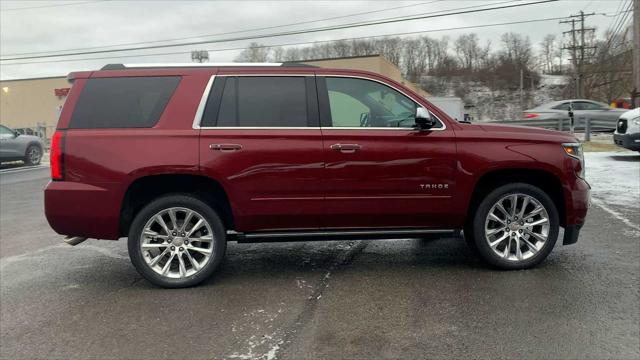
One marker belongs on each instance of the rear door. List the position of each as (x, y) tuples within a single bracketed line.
[(260, 138), (380, 171)]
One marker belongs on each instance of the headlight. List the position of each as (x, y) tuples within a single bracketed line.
[(575, 150), (636, 121)]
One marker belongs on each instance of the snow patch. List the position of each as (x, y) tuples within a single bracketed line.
[(615, 184), (264, 347), (614, 178)]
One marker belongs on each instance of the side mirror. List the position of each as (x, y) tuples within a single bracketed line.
[(16, 134), (424, 121)]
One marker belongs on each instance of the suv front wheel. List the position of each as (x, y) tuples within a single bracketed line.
[(516, 226), (176, 241)]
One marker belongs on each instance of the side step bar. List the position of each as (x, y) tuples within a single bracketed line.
[(313, 235)]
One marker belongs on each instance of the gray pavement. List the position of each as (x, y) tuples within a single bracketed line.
[(358, 299)]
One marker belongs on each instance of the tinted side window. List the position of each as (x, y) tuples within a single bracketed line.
[(268, 101), (125, 102), (563, 106), (366, 103), (583, 105)]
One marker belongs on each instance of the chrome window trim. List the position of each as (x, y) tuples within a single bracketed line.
[(203, 103), (205, 96), (265, 75)]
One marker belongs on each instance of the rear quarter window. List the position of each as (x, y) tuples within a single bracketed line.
[(123, 102)]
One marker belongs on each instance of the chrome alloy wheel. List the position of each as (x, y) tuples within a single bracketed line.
[(177, 242), (517, 227)]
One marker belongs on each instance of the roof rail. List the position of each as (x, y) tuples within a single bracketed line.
[(197, 65)]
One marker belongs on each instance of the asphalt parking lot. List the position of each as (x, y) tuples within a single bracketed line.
[(358, 299)]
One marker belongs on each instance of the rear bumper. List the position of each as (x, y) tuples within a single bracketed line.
[(628, 141), (84, 210)]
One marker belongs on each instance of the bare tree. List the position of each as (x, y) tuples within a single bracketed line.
[(517, 50), (278, 54), (292, 54), (391, 49), (254, 53), (548, 52), (436, 52), (468, 51)]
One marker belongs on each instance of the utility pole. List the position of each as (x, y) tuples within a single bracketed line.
[(635, 95), (578, 48)]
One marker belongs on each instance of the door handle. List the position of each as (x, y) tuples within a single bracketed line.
[(346, 148), (225, 147)]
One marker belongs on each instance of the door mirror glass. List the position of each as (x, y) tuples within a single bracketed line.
[(424, 121)]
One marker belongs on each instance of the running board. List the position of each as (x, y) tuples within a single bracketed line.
[(316, 235)]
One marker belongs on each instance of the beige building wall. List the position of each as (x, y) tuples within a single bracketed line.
[(27, 102), (374, 63)]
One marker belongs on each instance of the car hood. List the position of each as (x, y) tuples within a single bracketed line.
[(517, 132), (630, 114)]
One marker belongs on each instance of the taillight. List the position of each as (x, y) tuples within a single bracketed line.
[(530, 115), (57, 156)]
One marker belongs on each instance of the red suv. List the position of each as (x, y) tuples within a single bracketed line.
[(181, 159)]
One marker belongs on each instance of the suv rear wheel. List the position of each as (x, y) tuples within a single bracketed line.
[(516, 226), (176, 241)]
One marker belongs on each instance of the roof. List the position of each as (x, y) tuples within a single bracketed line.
[(200, 65)]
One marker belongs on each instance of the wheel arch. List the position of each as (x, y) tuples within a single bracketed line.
[(146, 188), (33, 143), (543, 179)]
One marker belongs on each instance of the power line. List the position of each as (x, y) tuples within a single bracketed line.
[(50, 6), (271, 27), (233, 32), (297, 32), (299, 43), (617, 25)]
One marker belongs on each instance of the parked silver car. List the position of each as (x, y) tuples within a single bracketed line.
[(602, 115), (15, 147)]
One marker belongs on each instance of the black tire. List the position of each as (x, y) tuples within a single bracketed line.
[(481, 243), (165, 202), (33, 155)]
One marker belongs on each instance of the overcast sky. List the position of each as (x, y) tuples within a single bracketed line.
[(43, 26)]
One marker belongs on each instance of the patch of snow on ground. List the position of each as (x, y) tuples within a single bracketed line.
[(615, 178)]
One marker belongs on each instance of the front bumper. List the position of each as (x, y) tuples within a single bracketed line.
[(628, 141)]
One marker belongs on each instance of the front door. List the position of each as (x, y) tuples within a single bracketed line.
[(380, 172), (260, 139), (9, 146)]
